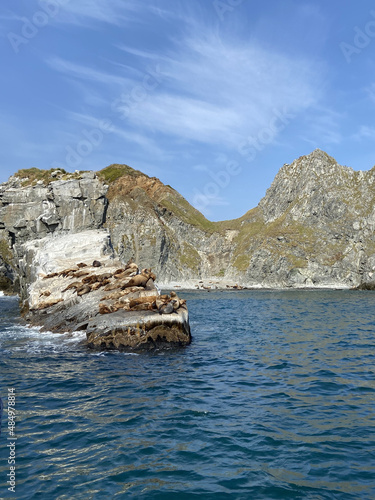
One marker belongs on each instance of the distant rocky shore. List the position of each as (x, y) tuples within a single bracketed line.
[(214, 284)]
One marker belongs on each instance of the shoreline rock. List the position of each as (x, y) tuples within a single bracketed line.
[(74, 283)]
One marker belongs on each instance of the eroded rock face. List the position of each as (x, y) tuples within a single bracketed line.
[(32, 212)]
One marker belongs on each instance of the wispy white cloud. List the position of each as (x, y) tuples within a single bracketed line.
[(139, 53), (322, 127), (85, 73), (9, 16), (123, 132), (212, 89), (365, 132), (84, 12), (217, 91), (7, 22)]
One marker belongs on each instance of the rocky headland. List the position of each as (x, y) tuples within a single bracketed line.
[(314, 228)]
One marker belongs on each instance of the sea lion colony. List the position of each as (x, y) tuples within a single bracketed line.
[(127, 288)]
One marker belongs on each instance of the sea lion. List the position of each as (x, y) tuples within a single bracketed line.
[(104, 309), (159, 302), (51, 275), (125, 274), (96, 263), (138, 280), (79, 274), (47, 303), (120, 293), (175, 301), (68, 272), (104, 276), (111, 286), (183, 304), (176, 304), (121, 305), (90, 279), (81, 264), (83, 290), (113, 296), (97, 285), (75, 285), (132, 267), (47, 293), (142, 300), (149, 273), (141, 307), (166, 308)]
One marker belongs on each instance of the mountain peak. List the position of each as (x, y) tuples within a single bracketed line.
[(309, 180)]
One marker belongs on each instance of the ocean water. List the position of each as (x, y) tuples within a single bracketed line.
[(274, 399)]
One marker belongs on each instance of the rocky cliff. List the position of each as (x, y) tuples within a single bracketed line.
[(35, 204), (313, 228)]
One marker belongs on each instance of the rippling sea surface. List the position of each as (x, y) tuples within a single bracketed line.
[(274, 399)]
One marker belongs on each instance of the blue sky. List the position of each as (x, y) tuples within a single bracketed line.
[(210, 96)]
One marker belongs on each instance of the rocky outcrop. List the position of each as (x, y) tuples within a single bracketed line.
[(314, 227), (75, 283)]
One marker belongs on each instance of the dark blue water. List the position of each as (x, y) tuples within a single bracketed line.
[(274, 399)]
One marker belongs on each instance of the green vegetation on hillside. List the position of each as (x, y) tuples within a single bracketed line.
[(189, 257), (30, 176), (182, 209), (113, 172)]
